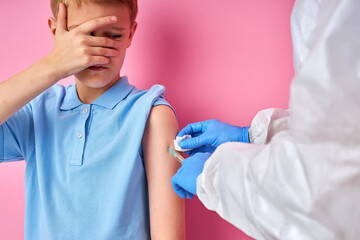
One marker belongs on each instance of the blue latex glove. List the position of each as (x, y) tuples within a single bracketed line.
[(208, 135), (184, 181)]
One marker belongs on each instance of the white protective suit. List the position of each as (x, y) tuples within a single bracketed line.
[(301, 177)]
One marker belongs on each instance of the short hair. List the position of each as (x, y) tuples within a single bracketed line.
[(131, 4)]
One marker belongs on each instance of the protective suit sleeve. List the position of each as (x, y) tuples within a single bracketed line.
[(267, 123), (304, 182)]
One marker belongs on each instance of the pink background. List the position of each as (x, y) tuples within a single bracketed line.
[(218, 59)]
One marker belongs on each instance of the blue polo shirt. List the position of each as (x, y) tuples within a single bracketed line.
[(85, 176)]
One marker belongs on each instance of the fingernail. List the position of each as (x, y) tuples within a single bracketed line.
[(113, 18)]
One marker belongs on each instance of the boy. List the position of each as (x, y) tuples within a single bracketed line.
[(97, 165)]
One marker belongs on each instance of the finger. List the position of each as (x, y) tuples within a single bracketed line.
[(179, 191), (97, 60), (103, 42), (61, 18), (97, 23), (196, 142), (189, 195), (107, 52), (191, 129)]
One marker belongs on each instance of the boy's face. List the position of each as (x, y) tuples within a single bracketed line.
[(120, 31)]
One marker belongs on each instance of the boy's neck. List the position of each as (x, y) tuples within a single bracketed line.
[(87, 94)]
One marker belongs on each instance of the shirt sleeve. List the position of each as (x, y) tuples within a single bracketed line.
[(17, 136), (161, 101), (304, 182)]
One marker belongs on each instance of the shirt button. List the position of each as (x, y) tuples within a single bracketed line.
[(79, 134), (85, 111)]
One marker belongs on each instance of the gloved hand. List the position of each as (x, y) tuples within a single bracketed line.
[(184, 181), (208, 135)]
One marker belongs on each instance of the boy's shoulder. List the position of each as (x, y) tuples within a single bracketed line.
[(155, 90), (123, 87), (55, 92), (153, 95), (149, 98), (51, 99)]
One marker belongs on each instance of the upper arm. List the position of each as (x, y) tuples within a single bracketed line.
[(166, 208)]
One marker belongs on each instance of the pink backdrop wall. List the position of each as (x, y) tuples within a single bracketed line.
[(218, 59)]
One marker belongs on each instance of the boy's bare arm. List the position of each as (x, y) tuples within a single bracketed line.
[(167, 216), (73, 52)]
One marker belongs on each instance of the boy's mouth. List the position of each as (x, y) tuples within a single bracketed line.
[(97, 68)]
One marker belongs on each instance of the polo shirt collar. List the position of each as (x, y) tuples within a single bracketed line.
[(108, 99)]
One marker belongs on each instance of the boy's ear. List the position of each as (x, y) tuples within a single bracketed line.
[(52, 26), (132, 32)]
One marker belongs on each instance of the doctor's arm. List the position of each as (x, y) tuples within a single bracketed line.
[(266, 124), (304, 183), (167, 210)]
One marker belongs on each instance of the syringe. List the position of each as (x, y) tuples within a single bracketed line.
[(176, 155)]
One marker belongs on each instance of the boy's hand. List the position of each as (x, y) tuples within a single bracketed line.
[(77, 50)]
